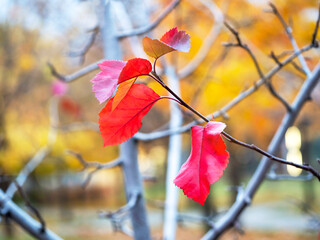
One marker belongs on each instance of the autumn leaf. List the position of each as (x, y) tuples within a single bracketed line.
[(118, 125), (173, 40), (206, 162), (59, 88), (122, 91), (105, 82), (134, 68), (69, 106)]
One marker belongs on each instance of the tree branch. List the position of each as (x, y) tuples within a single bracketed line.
[(234, 212), (97, 166), (303, 166), (30, 225), (74, 76), (31, 207), (94, 32), (211, 37), (314, 41), (292, 40), (255, 61), (117, 217), (243, 95), (145, 29)]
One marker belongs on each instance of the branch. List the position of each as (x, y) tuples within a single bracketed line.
[(10, 209), (255, 61), (41, 153), (117, 217), (74, 76), (314, 41), (234, 212), (25, 172), (156, 22), (211, 37), (96, 165), (31, 207), (303, 166), (83, 52), (243, 95), (292, 40)]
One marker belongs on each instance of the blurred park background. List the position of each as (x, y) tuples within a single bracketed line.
[(33, 33)]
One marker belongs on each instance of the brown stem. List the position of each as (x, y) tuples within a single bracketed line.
[(232, 139)]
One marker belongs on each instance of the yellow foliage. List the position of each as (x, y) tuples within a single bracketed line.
[(26, 62)]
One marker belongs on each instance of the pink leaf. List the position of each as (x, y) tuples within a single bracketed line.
[(105, 82), (173, 40), (59, 88), (134, 68), (206, 162)]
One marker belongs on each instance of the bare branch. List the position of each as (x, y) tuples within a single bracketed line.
[(96, 165), (74, 76), (275, 58), (31, 207), (314, 41), (9, 208), (41, 154), (145, 29), (25, 172), (117, 217), (292, 40), (242, 96), (296, 66), (255, 61), (303, 166), (94, 32), (211, 37), (235, 211)]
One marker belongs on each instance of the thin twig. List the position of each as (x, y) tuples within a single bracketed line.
[(255, 61), (314, 41), (292, 40), (74, 76), (97, 166), (117, 217), (304, 166), (30, 206), (275, 58), (239, 206), (82, 53), (209, 40), (242, 96), (145, 29)]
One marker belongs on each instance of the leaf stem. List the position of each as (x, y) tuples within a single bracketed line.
[(229, 137), (180, 101)]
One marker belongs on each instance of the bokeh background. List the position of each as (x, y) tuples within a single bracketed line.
[(33, 33)]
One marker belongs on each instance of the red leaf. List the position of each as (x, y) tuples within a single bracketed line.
[(105, 82), (206, 162), (118, 125), (134, 68), (173, 40), (122, 91), (69, 106), (179, 40)]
